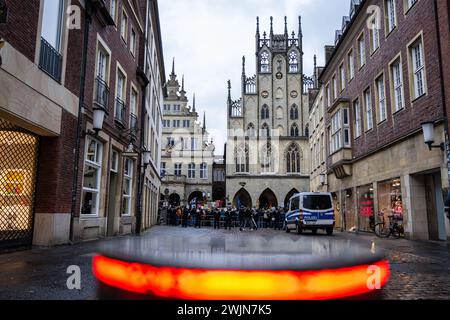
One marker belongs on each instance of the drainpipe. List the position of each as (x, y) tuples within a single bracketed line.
[(142, 167), (87, 22)]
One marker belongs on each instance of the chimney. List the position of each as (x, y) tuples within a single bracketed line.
[(328, 53)]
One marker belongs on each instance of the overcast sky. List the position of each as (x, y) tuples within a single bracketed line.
[(209, 37)]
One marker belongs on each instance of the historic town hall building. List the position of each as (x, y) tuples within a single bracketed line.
[(267, 147)]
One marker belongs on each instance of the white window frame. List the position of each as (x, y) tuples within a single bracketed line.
[(124, 26), (362, 50), (351, 64), (98, 164), (128, 194), (368, 107), (397, 94), (203, 170), (177, 169), (417, 65), (391, 16), (191, 170), (381, 98), (357, 114)]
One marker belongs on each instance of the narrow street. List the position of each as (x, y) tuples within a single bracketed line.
[(420, 270)]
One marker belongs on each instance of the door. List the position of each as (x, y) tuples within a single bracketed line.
[(110, 229), (18, 167), (433, 231)]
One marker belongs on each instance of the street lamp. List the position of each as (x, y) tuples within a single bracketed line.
[(146, 155), (99, 117), (428, 135)]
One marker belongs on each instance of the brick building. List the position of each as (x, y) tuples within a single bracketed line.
[(39, 88), (383, 79), (62, 176)]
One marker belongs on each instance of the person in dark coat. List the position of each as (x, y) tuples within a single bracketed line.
[(228, 218), (198, 218), (216, 214), (194, 215), (185, 217), (276, 222)]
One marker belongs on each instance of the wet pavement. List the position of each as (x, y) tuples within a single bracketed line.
[(419, 270)]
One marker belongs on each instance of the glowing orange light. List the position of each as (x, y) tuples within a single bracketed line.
[(204, 284)]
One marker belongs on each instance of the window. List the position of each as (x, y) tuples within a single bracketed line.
[(374, 34), (177, 169), (368, 108), (133, 109), (294, 130), (341, 77), (241, 159), (163, 169), (251, 130), (127, 187), (119, 105), (113, 9), (176, 123), (265, 130), (52, 23), (265, 112), (293, 159), (203, 171), (170, 142), (409, 4), (92, 177), (133, 42), (294, 112), (357, 113), (114, 161), (186, 123), (391, 19), (328, 93), (191, 171), (166, 107), (264, 62), (397, 85), (418, 68), (351, 65), (194, 143), (361, 51), (335, 89), (266, 158), (340, 130), (381, 98), (166, 123), (121, 86), (176, 107), (293, 62), (101, 89), (124, 27)]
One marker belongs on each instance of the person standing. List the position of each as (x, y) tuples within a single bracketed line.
[(185, 217), (216, 215), (228, 217)]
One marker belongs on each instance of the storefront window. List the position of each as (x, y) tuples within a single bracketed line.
[(390, 199), (366, 208), (92, 177)]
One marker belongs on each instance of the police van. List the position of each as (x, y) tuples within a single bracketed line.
[(310, 211)]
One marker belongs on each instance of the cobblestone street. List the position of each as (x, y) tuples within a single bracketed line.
[(420, 270)]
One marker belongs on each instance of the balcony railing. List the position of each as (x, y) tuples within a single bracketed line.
[(119, 113), (133, 125), (50, 60), (101, 94)]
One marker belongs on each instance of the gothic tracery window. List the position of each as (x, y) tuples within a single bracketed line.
[(293, 157), (264, 61), (242, 159), (294, 112), (250, 130), (266, 158), (294, 130), (293, 62), (265, 112), (265, 130)]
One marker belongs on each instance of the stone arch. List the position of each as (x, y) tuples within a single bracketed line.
[(267, 199), (174, 199), (289, 195), (242, 198), (197, 198)]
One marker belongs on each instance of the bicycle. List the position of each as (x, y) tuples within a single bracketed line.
[(385, 231)]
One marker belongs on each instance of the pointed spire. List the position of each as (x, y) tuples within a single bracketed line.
[(182, 83), (300, 32), (285, 26), (257, 26), (193, 104), (243, 66), (204, 121), (173, 66), (229, 90), (271, 26), (315, 72)]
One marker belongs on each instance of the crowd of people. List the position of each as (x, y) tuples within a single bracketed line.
[(227, 218)]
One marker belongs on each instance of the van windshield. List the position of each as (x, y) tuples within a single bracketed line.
[(317, 202)]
